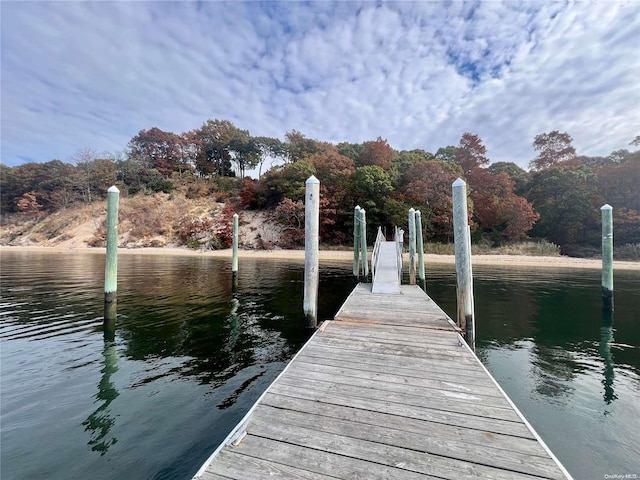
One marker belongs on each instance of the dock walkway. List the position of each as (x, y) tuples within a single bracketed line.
[(386, 278), (387, 390)]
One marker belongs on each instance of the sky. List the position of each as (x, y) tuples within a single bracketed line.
[(77, 75)]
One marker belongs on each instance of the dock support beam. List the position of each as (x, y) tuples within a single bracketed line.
[(412, 246), (311, 239), (464, 275), (111, 264), (234, 262), (607, 257), (111, 259), (356, 242), (420, 243), (363, 243), (234, 255)]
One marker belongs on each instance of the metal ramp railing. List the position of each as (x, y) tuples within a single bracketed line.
[(375, 255)]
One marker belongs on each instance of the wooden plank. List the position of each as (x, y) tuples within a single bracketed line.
[(401, 362), (399, 436), (431, 430), (417, 332), (233, 464), (405, 459), (301, 369), (450, 343), (361, 355), (433, 371), (455, 354), (331, 463), (476, 395), (432, 398), (420, 412)]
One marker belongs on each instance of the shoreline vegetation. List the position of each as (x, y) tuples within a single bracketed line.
[(343, 256), (183, 190)]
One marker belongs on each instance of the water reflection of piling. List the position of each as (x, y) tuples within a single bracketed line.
[(99, 423), (233, 322), (606, 339), (109, 323)]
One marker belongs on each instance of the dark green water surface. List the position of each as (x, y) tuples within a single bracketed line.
[(190, 356)]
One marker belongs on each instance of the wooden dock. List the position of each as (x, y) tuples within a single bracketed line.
[(388, 390)]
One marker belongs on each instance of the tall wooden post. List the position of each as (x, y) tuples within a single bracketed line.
[(311, 239), (412, 246), (420, 244), (464, 277), (607, 257), (363, 243), (356, 242), (111, 260), (234, 263)]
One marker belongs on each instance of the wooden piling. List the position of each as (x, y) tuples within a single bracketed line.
[(111, 260), (464, 277), (420, 246), (412, 246), (234, 263), (607, 257), (311, 239), (363, 243), (356, 242)]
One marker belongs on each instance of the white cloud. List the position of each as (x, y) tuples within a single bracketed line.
[(420, 74)]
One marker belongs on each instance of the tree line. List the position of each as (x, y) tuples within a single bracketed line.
[(557, 199)]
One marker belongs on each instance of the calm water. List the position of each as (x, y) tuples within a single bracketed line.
[(189, 357)]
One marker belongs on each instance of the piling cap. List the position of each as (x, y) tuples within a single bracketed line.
[(459, 183), (113, 189), (606, 206), (312, 179)]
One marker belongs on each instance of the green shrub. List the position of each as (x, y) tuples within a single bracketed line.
[(193, 244)]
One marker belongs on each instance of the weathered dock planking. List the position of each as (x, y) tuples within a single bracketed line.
[(387, 390)]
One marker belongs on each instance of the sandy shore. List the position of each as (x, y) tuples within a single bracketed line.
[(347, 256)]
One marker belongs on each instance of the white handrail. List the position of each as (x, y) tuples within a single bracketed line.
[(376, 253)]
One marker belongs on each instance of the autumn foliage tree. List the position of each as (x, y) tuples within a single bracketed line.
[(28, 204), (377, 153), (471, 154), (298, 147), (554, 148), (335, 171), (500, 214), (155, 148), (427, 187)]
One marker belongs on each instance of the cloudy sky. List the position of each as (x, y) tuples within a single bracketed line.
[(93, 74)]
